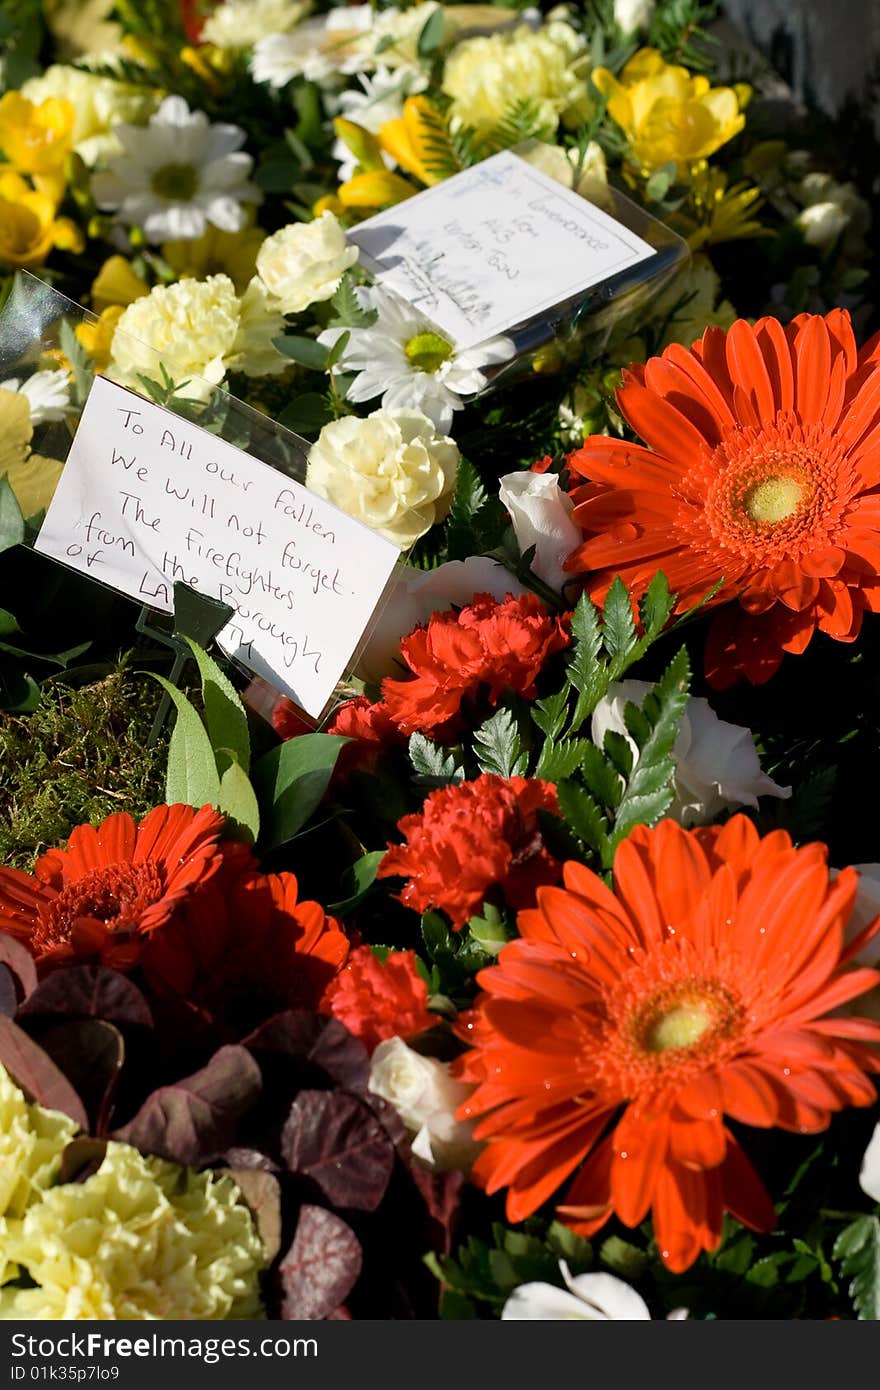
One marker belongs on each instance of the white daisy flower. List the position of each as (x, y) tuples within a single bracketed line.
[(178, 174), (318, 49), (48, 395), (405, 360)]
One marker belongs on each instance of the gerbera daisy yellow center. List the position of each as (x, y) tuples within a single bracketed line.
[(681, 1027), (773, 499)]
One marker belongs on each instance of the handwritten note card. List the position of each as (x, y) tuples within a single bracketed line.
[(493, 246), (147, 498)]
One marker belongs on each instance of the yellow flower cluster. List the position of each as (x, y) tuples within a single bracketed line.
[(487, 75), (668, 114), (36, 141), (139, 1239)]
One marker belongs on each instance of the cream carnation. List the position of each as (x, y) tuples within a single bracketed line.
[(139, 1239), (716, 764), (242, 23), (487, 75), (99, 104), (198, 329), (304, 262), (31, 1141), (426, 1098), (391, 471)]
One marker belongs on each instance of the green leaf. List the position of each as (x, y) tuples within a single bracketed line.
[(600, 776), (357, 881), (586, 672), (306, 351), (337, 350), (656, 605), (618, 626), (238, 800), (81, 363), (497, 746), (11, 519), (8, 625), (660, 182), (549, 714), (624, 1259), (561, 760), (649, 790), (583, 816), (431, 35), (191, 777), (225, 716), (307, 415), (290, 781), (347, 309), (432, 763), (469, 495), (858, 1250), (618, 750), (438, 939)]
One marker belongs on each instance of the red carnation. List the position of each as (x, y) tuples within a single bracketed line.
[(483, 649), (113, 885), (377, 1000), (246, 943), (470, 838)]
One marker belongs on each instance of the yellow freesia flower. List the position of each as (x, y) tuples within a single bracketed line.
[(374, 190), (36, 139), (29, 228), (668, 114), (411, 139), (117, 282), (97, 338), (716, 211), (217, 253)]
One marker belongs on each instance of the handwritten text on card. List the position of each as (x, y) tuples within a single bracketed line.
[(147, 498), (493, 246)]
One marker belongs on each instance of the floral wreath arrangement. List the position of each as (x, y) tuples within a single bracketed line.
[(542, 981)]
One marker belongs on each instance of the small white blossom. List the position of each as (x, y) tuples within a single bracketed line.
[(632, 15), (589, 1298), (48, 394), (541, 515), (716, 764), (869, 1176), (426, 1098)]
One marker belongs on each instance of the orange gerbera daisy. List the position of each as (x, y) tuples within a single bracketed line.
[(623, 1026), (111, 885), (763, 472)]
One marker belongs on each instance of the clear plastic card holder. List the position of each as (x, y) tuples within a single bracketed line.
[(449, 247), (46, 455)]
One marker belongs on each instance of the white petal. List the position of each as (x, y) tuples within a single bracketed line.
[(609, 1296), (546, 1303), (869, 1175)]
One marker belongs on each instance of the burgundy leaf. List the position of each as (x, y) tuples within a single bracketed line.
[(337, 1141), (315, 1040), (19, 960), (90, 1052), (81, 1158), (321, 1267), (442, 1195), (90, 991), (36, 1073), (240, 1157), (263, 1195), (8, 992), (194, 1120)]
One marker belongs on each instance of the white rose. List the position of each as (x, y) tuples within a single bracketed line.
[(716, 765), (590, 1298), (869, 1176), (541, 515), (392, 471), (631, 15), (822, 223), (426, 1098), (304, 262), (416, 594)]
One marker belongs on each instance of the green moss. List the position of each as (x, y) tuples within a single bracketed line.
[(78, 758)]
